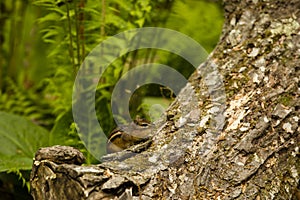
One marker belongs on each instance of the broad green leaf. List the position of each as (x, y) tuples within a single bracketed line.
[(19, 140)]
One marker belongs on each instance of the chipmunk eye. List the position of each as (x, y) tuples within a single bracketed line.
[(144, 124)]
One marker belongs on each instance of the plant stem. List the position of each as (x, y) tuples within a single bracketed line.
[(71, 51), (103, 19), (77, 21), (81, 28)]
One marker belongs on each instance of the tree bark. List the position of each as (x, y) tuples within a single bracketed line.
[(254, 154)]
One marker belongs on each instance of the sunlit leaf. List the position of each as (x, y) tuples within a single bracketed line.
[(19, 139)]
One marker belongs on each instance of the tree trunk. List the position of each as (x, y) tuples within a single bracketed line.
[(253, 154)]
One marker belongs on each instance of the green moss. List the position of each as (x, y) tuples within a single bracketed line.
[(285, 99)]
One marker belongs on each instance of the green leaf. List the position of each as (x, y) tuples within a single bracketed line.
[(140, 22), (45, 3), (59, 133), (49, 17), (19, 140)]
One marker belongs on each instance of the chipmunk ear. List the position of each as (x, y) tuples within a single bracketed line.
[(141, 121)]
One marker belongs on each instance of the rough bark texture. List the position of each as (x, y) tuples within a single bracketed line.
[(256, 153)]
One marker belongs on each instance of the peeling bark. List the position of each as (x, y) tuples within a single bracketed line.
[(255, 155)]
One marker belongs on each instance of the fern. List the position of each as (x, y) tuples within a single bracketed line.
[(26, 103)]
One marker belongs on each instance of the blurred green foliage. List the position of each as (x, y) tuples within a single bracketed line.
[(44, 42)]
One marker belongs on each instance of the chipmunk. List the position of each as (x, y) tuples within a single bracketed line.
[(123, 137)]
